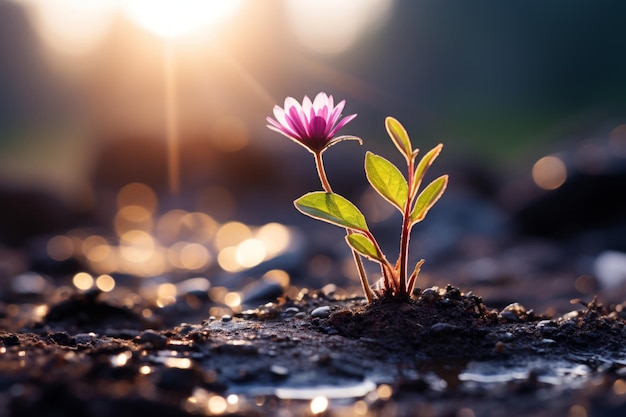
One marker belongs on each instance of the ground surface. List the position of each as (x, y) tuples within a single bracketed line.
[(442, 354)]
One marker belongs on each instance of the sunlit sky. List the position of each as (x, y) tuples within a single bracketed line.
[(509, 80)]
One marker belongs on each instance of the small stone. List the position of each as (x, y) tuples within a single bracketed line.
[(157, 340), (280, 371), (84, 338), (300, 315), (444, 328), (506, 337), (10, 340), (290, 311), (546, 323), (515, 313), (226, 318), (321, 312), (63, 339), (430, 296)]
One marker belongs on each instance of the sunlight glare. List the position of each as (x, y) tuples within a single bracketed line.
[(331, 27), (178, 18)]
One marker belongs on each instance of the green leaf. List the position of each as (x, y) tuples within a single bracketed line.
[(331, 208), (387, 180), (363, 245), (399, 136), (425, 163), (428, 198)]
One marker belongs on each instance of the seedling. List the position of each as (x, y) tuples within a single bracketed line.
[(313, 124)]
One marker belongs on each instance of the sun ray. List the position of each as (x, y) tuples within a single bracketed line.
[(171, 119)]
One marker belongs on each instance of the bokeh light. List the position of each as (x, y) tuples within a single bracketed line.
[(549, 173), (137, 246), (72, 27), (319, 405), (105, 283), (231, 234), (137, 194), (60, 248), (250, 252), (83, 281), (275, 237), (216, 405), (194, 257)]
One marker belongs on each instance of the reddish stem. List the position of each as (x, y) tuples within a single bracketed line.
[(321, 172)]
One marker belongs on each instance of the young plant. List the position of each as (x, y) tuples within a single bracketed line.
[(313, 124)]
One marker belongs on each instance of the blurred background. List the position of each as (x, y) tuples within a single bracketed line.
[(133, 139)]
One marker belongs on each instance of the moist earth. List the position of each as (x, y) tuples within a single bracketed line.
[(88, 357)]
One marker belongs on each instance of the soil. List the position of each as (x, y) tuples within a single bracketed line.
[(441, 353)]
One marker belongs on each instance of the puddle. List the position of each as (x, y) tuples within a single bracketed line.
[(563, 374), (331, 392)]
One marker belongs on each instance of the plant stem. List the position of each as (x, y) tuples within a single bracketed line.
[(319, 164), (405, 233), (369, 294)]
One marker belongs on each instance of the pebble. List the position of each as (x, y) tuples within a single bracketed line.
[(513, 313), (444, 328), (280, 371), (226, 318), (84, 338), (290, 311), (321, 312), (546, 323), (63, 339), (506, 337), (430, 296), (157, 340), (10, 340)]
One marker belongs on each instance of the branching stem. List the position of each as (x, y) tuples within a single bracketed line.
[(321, 172)]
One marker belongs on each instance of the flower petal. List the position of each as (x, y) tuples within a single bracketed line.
[(281, 128), (336, 113), (341, 124), (298, 123), (321, 100), (318, 127)]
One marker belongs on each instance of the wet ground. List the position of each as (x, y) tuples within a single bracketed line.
[(444, 353)]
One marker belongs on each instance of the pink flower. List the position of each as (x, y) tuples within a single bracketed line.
[(311, 124)]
